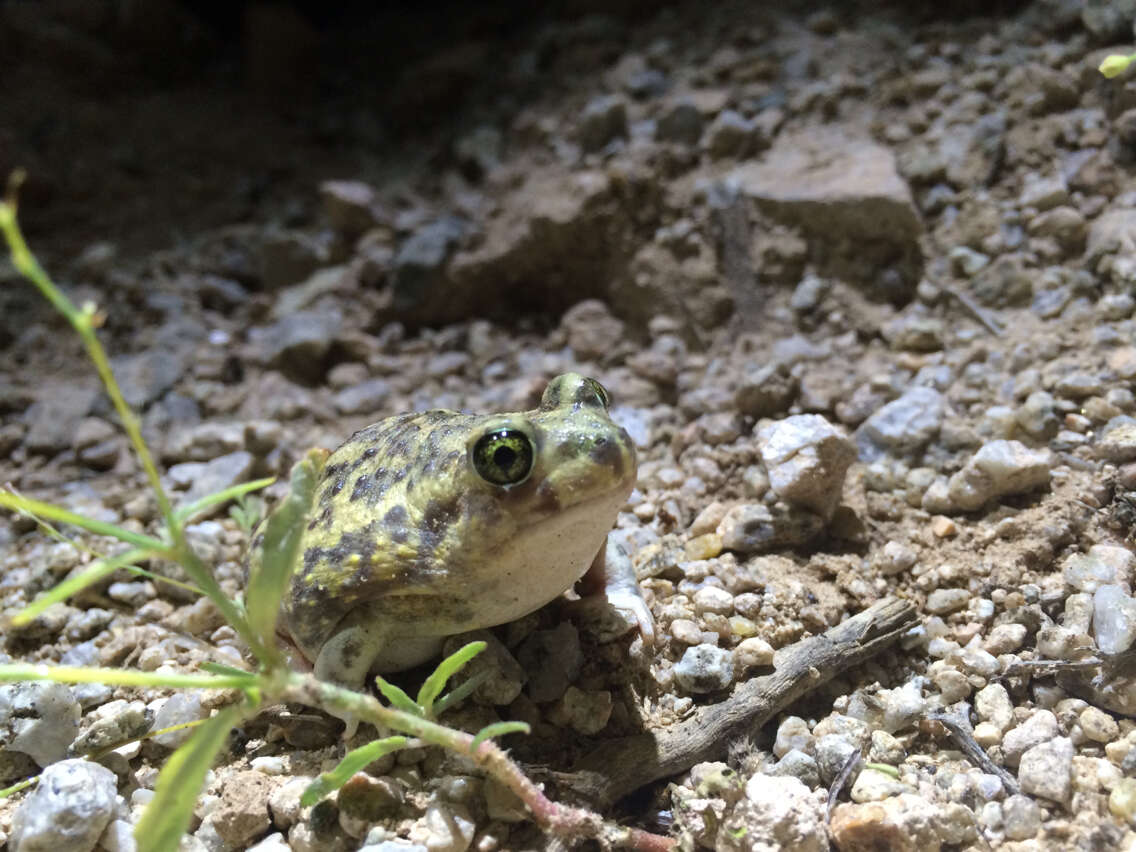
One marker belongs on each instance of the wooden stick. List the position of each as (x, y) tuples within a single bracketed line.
[(621, 766)]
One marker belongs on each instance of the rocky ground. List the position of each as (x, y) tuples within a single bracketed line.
[(861, 283)]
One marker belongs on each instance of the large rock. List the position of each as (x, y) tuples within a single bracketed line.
[(556, 242), (420, 265), (1109, 20), (845, 192)]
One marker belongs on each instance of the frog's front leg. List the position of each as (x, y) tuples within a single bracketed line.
[(347, 657), (611, 580)]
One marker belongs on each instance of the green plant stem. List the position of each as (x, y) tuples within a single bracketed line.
[(14, 672), (560, 819), (84, 323)]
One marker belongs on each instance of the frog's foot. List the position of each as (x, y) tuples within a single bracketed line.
[(611, 583), (346, 658)]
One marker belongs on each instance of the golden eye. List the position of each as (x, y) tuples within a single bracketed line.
[(503, 456), (601, 392)]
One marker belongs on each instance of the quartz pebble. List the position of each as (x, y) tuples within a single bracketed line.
[(992, 704), (1021, 817), (70, 807), (903, 426), (786, 815), (944, 601), (1046, 770), (1038, 728), (39, 719), (1114, 619), (793, 734), (999, 469), (806, 458)]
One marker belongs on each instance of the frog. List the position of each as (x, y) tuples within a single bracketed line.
[(427, 525)]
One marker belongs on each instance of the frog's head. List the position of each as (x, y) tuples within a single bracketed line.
[(549, 484), (562, 456)]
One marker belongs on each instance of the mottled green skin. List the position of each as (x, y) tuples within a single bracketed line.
[(405, 534)]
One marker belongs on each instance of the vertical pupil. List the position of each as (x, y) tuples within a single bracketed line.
[(504, 456)]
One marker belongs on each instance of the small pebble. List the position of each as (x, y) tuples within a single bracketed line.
[(944, 601), (1098, 726), (793, 733), (1046, 770), (753, 653), (705, 668), (1021, 817), (1114, 619)]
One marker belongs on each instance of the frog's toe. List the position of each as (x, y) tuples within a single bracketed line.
[(632, 604)]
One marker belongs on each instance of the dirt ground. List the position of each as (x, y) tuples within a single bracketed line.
[(861, 281)]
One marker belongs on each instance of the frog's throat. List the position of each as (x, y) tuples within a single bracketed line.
[(544, 559)]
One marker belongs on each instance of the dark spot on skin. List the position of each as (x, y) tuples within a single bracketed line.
[(439, 514), (323, 518), (370, 452), (334, 470), (312, 557), (395, 523), (363, 486), (335, 489)]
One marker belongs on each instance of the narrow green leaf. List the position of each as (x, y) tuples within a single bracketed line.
[(169, 812), (459, 692), (354, 761), (432, 687), (498, 729), (38, 508), (74, 585), (398, 699), (222, 497), (15, 672), (268, 574)]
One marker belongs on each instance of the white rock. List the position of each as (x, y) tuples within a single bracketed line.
[(872, 785), (1046, 770), (446, 827), (39, 719), (806, 458), (904, 425), (705, 668), (999, 469), (1114, 619), (788, 815), (793, 733), (1039, 728), (992, 704), (70, 807), (1021, 817)]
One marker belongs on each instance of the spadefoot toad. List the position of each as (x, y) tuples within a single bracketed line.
[(426, 525)]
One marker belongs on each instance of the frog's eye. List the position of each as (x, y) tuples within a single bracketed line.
[(503, 456), (600, 391)]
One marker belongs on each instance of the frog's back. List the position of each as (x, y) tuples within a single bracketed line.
[(385, 521)]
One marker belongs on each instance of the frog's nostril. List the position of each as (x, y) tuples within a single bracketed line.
[(606, 452)]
